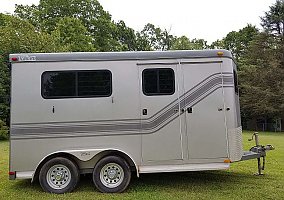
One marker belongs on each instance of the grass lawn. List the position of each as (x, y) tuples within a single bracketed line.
[(236, 183)]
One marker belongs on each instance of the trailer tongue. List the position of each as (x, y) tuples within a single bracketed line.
[(258, 151)]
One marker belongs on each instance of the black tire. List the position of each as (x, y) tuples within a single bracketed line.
[(59, 175), (104, 174)]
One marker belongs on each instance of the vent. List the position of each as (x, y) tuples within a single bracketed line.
[(235, 144)]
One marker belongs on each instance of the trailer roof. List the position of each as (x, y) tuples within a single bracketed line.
[(114, 56)]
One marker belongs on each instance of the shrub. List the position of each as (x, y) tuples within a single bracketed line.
[(3, 131)]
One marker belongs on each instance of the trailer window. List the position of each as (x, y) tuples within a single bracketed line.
[(236, 82), (158, 81), (58, 84), (76, 84), (95, 83)]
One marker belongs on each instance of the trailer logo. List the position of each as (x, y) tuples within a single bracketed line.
[(27, 58), (85, 154)]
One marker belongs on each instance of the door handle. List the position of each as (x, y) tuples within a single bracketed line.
[(144, 111), (220, 109), (182, 110), (189, 110)]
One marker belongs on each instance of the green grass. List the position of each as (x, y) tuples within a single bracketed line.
[(236, 183)]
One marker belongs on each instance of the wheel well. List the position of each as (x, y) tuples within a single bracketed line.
[(65, 155), (129, 161)]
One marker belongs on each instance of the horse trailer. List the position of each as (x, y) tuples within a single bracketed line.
[(114, 113)]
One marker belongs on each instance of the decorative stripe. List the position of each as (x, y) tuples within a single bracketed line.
[(124, 127)]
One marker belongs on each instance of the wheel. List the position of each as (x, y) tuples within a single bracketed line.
[(59, 175), (111, 174)]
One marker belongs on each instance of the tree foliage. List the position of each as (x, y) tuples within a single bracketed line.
[(261, 76), (237, 41), (262, 69), (273, 21), (93, 17), (72, 34), (184, 43), (126, 37), (154, 38)]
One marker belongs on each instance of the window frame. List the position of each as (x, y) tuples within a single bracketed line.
[(158, 94), (76, 84)]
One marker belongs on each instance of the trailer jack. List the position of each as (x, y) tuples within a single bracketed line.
[(259, 152)]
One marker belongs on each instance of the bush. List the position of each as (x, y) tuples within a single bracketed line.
[(3, 131)]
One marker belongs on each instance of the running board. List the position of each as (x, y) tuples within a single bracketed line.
[(183, 167)]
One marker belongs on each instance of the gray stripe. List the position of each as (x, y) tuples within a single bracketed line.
[(188, 101), (184, 102), (158, 122)]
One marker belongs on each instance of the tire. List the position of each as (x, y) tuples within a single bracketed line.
[(59, 175), (111, 175)]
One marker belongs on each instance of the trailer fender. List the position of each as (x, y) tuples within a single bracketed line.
[(88, 154), (85, 155)]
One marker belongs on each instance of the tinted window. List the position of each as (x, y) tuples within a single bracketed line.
[(59, 84), (236, 82), (70, 84), (96, 83), (158, 81)]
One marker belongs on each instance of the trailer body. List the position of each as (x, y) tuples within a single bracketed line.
[(160, 111)]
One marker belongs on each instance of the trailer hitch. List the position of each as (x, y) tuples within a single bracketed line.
[(259, 151)]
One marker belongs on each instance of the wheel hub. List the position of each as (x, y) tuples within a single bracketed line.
[(111, 175), (58, 176)]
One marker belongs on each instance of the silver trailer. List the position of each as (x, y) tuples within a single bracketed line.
[(113, 113)]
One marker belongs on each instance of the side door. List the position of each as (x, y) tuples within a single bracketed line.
[(160, 112), (203, 104)]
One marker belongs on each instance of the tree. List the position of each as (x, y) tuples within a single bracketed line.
[(92, 15), (29, 13), (238, 42), (49, 12), (199, 44), (154, 38), (273, 24), (265, 75), (261, 78), (218, 44), (184, 43), (126, 37), (73, 34), (4, 91), (273, 21), (19, 36)]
